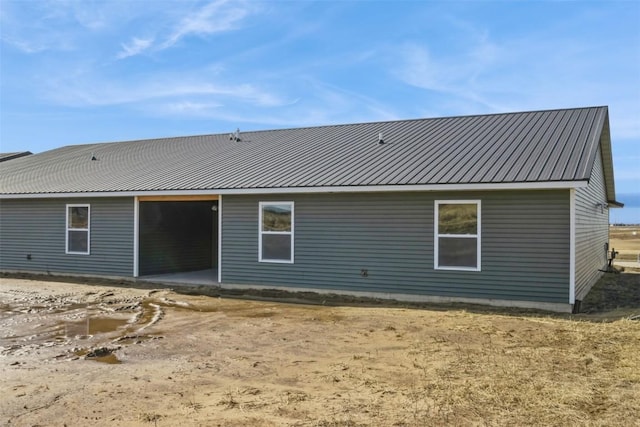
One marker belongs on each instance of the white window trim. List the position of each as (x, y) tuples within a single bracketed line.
[(88, 229), (436, 239), (260, 232)]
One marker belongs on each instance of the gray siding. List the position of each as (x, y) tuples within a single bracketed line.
[(592, 230), (525, 245), (37, 227)]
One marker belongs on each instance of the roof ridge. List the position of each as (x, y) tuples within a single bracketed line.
[(299, 128)]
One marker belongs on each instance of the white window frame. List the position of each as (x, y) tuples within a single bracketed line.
[(437, 235), (68, 229), (261, 205)]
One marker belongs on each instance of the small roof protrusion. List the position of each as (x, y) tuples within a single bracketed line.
[(235, 136)]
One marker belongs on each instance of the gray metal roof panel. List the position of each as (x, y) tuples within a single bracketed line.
[(514, 147), (14, 155)]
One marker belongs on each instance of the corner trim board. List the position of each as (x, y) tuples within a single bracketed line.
[(136, 235), (572, 246), (220, 239)]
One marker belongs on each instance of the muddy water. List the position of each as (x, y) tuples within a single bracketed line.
[(102, 355), (92, 326), (95, 325), (78, 325)]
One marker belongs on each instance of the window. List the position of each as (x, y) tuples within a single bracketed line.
[(457, 235), (78, 223), (276, 232)]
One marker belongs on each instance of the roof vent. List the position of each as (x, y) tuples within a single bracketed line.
[(235, 136), (380, 138)]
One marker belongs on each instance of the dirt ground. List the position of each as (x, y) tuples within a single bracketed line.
[(88, 354), (626, 241)]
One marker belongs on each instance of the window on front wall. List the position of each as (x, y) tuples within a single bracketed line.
[(276, 232), (78, 226), (457, 235)]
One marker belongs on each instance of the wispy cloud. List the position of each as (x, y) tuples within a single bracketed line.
[(215, 17), (87, 89), (34, 27), (134, 47), (191, 108), (26, 46), (58, 25), (455, 76), (322, 104)]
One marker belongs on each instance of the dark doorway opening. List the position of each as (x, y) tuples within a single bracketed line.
[(177, 236)]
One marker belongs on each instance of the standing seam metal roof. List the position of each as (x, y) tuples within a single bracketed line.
[(525, 147), (10, 156)]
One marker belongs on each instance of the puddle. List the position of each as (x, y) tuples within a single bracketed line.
[(260, 314), (27, 324), (105, 324), (101, 355), (109, 359), (136, 339), (93, 325)]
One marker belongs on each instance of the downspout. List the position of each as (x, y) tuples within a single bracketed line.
[(572, 246)]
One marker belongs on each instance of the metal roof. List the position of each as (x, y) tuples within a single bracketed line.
[(9, 156), (524, 147)]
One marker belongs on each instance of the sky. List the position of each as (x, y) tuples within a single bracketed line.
[(85, 71)]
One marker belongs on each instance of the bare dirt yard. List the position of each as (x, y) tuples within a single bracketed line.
[(626, 241), (108, 354)]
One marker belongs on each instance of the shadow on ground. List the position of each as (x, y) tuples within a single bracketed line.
[(614, 291)]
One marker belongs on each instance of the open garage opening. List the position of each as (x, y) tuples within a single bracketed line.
[(178, 236)]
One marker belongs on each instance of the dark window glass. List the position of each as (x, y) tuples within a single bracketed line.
[(78, 241), (276, 247), (458, 252)]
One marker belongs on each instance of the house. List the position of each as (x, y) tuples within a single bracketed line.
[(504, 209)]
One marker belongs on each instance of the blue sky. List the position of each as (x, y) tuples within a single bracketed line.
[(89, 71)]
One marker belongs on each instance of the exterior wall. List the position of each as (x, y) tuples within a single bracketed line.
[(525, 245), (37, 227), (592, 230)]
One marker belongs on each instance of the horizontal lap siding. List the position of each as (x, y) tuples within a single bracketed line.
[(37, 227), (592, 230), (525, 245)]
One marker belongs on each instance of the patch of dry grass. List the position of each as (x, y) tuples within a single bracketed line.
[(225, 362), (625, 242), (561, 372)]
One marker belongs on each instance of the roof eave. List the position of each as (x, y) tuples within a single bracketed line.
[(607, 159), (538, 185)]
